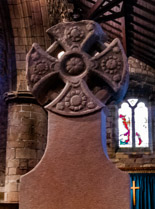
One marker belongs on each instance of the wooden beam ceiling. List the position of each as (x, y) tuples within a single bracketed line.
[(132, 21), (94, 8)]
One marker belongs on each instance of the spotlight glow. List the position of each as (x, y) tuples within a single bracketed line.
[(60, 54)]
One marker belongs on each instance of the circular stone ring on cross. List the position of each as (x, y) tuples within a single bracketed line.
[(74, 65)]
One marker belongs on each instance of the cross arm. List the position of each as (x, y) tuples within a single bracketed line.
[(111, 66), (41, 72)]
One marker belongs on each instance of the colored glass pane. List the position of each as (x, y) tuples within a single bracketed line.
[(124, 122), (141, 125)]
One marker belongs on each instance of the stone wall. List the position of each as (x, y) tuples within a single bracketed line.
[(29, 22), (142, 80), (3, 108), (7, 78)]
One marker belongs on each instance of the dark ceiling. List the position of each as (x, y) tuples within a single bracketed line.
[(132, 21)]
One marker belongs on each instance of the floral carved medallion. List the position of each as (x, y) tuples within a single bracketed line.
[(75, 66), (75, 33), (75, 100)]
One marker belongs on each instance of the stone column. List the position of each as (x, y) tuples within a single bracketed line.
[(26, 139)]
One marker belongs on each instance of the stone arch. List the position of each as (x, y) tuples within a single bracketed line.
[(29, 22)]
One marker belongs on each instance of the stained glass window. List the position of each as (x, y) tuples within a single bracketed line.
[(124, 121), (133, 124)]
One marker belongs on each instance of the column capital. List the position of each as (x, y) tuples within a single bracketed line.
[(19, 96)]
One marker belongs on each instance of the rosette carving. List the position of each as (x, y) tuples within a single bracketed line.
[(75, 100), (75, 66), (75, 33)]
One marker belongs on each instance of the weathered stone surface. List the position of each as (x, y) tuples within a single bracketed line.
[(75, 171), (59, 11), (83, 76)]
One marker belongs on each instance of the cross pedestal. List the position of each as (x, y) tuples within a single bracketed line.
[(74, 172)]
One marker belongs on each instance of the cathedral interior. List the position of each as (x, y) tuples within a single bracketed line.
[(23, 122)]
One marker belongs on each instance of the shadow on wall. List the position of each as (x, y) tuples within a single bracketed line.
[(7, 78)]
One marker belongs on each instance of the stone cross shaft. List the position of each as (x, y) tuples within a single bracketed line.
[(75, 172)]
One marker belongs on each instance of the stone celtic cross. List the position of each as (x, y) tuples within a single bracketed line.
[(87, 72), (75, 172)]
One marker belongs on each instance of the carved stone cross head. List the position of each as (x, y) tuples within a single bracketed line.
[(85, 77)]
